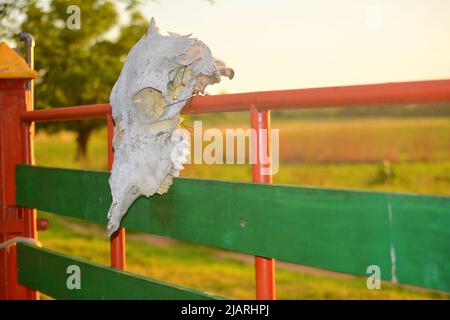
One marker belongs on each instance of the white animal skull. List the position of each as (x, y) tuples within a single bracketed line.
[(159, 75)]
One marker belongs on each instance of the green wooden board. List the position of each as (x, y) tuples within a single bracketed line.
[(407, 236), (47, 271)]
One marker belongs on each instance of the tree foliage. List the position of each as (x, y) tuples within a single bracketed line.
[(80, 66)]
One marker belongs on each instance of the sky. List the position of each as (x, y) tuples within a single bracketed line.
[(291, 44)]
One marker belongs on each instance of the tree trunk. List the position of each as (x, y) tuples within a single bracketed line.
[(82, 143)]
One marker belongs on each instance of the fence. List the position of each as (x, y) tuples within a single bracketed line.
[(340, 230)]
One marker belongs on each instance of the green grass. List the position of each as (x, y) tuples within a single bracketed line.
[(58, 150), (417, 177), (231, 275), (364, 140)]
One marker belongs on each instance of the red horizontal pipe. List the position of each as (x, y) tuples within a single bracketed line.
[(435, 91), (348, 96), (68, 113)]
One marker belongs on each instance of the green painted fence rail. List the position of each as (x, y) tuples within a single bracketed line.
[(47, 272), (407, 236)]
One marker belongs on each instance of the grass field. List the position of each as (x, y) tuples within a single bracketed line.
[(319, 153), (347, 154)]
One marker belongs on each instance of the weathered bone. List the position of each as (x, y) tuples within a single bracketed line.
[(158, 77)]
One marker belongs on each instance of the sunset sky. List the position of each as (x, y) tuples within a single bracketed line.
[(305, 43)]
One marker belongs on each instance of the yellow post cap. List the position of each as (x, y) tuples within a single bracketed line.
[(12, 65)]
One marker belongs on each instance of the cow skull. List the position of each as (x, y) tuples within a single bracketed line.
[(159, 75)]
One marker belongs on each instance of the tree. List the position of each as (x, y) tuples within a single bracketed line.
[(75, 66)]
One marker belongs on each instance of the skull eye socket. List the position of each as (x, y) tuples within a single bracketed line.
[(149, 103), (178, 79)]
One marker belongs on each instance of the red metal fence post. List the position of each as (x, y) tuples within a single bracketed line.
[(15, 147), (264, 267), (117, 242)]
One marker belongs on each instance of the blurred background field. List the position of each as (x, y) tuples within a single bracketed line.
[(392, 154), (376, 153)]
